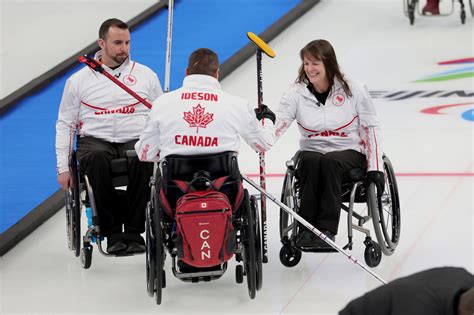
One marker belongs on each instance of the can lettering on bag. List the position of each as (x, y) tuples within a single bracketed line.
[(205, 248)]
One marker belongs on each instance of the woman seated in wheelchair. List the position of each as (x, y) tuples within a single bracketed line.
[(200, 119), (339, 131)]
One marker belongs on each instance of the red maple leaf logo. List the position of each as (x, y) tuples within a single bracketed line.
[(197, 118)]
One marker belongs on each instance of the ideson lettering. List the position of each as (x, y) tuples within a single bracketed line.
[(196, 141), (200, 96), (205, 248)]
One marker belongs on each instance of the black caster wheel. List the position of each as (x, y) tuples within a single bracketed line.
[(86, 257), (163, 280), (239, 274), (411, 16), (372, 254), (289, 256), (463, 16)]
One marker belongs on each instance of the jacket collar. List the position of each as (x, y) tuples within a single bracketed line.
[(124, 65), (201, 81), (302, 89)]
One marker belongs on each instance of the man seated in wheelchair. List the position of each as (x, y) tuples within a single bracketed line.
[(339, 132), (92, 105), (194, 131)]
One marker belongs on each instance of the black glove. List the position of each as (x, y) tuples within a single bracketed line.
[(265, 112), (378, 179)]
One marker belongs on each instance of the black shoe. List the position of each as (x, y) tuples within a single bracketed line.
[(135, 248), (115, 244), (305, 239), (135, 243), (319, 245)]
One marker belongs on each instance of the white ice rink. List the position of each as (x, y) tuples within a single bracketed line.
[(432, 155)]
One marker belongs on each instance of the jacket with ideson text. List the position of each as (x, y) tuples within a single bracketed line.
[(201, 118)]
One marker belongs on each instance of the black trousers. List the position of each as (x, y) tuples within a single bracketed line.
[(321, 177), (114, 210)]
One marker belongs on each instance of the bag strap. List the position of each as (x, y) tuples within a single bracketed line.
[(186, 187)]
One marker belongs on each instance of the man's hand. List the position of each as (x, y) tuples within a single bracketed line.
[(265, 112), (378, 179), (65, 180)]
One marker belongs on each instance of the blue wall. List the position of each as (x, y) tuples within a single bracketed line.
[(27, 133)]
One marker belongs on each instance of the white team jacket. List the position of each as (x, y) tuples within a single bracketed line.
[(201, 118), (342, 123), (95, 106)]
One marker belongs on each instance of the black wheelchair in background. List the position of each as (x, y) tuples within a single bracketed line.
[(192, 198), (383, 210), (80, 198), (410, 7)]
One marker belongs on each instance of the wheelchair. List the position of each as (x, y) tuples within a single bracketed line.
[(410, 7), (80, 198), (179, 178), (383, 210)]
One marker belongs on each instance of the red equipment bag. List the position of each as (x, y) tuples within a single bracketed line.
[(205, 234)]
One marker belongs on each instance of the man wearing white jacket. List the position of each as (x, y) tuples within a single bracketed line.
[(201, 118), (108, 121)]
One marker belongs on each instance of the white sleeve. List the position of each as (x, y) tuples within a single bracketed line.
[(285, 114), (369, 130), (259, 137), (155, 90), (66, 125), (147, 147)]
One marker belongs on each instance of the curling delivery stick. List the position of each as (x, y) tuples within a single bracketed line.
[(169, 38), (262, 47), (96, 65), (311, 228)]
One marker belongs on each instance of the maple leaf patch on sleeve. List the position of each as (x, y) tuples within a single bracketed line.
[(197, 118)]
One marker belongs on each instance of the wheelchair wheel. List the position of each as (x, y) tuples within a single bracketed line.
[(258, 242), (385, 211), (250, 249), (158, 244), (290, 256), (410, 8), (289, 198), (73, 211), (372, 253), (86, 256), (150, 257), (239, 274)]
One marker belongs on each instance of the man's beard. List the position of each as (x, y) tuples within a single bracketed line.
[(119, 59)]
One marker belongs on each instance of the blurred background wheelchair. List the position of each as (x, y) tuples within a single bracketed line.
[(200, 214), (80, 199), (411, 7), (383, 210)]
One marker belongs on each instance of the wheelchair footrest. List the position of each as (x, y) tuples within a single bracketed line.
[(317, 249)]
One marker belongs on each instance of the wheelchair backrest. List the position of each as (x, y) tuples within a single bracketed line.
[(185, 168)]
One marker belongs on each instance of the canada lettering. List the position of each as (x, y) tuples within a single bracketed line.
[(196, 141), (200, 96), (123, 110), (328, 133)]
